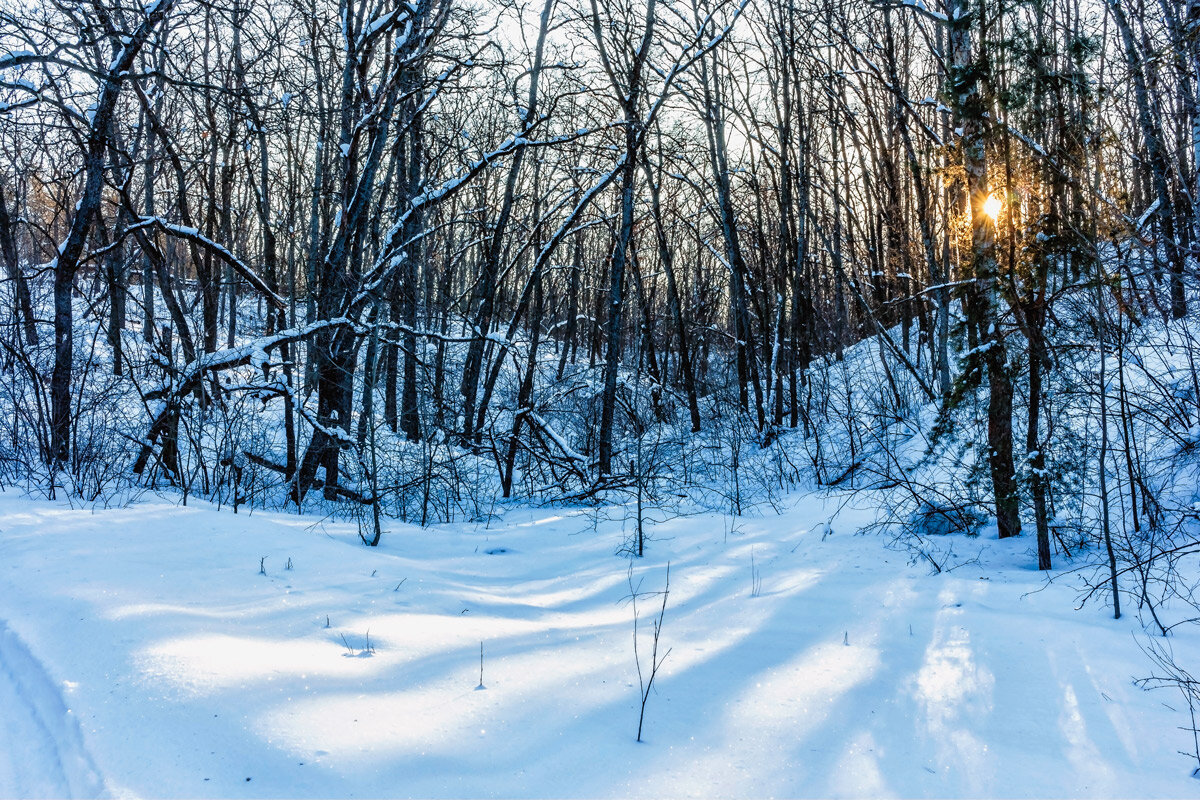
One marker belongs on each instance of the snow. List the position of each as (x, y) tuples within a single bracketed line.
[(8, 60), (1145, 217), (143, 653), (375, 26), (918, 5)]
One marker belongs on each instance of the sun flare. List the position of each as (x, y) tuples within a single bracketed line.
[(992, 207)]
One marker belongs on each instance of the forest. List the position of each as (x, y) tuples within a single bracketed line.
[(414, 261)]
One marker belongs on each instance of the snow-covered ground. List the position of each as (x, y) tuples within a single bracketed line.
[(142, 653)]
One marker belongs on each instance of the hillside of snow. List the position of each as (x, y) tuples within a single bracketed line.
[(143, 653)]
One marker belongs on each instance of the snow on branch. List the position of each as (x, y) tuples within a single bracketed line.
[(240, 267), (920, 7), (253, 352), (545, 427)]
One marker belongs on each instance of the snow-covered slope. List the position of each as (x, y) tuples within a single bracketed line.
[(142, 653)]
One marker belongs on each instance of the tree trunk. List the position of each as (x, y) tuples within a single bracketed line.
[(965, 88)]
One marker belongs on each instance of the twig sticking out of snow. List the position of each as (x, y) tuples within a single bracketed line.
[(646, 683)]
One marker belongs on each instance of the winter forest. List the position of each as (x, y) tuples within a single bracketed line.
[(825, 335)]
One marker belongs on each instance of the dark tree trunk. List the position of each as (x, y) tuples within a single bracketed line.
[(970, 105), (72, 249)]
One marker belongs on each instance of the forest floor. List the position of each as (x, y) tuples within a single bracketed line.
[(144, 653)]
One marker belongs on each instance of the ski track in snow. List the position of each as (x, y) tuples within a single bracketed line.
[(800, 665), (41, 749)]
